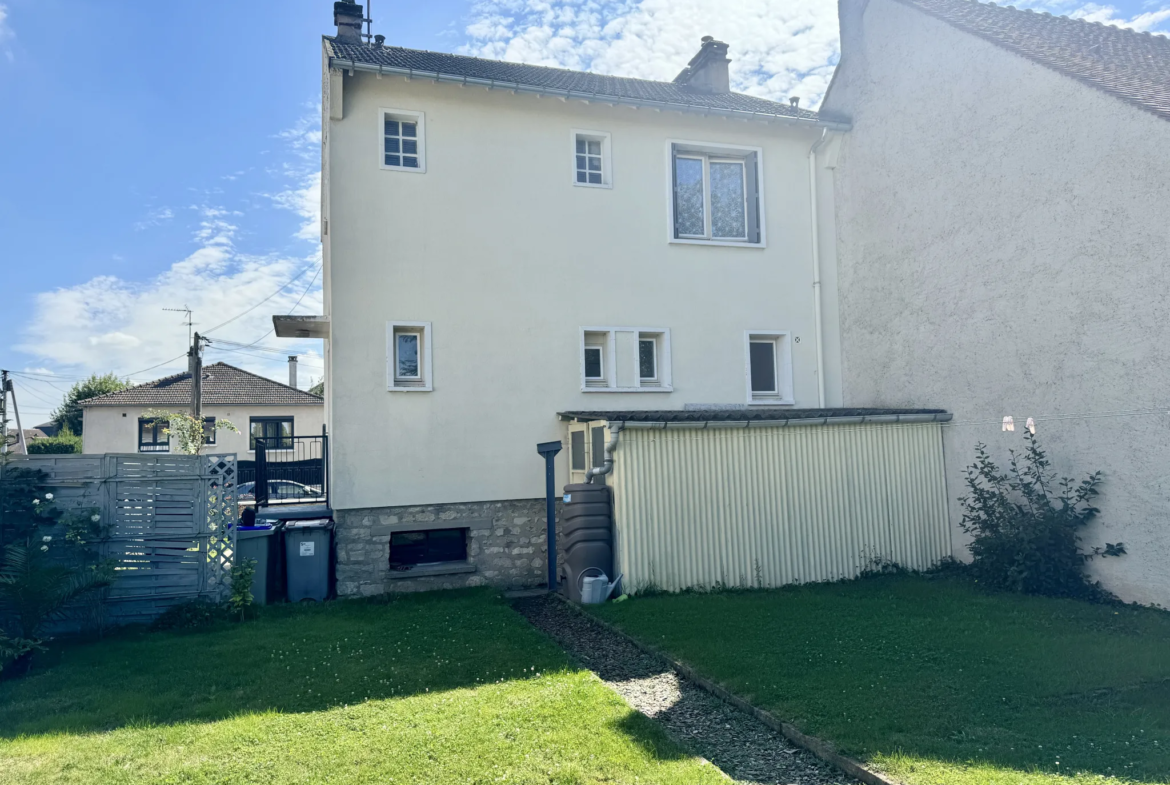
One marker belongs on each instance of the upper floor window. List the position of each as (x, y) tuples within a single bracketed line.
[(715, 194), (408, 356), (769, 368), (403, 140), (591, 165), (625, 359)]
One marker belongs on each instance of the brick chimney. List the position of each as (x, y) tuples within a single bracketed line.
[(347, 15), (707, 71)]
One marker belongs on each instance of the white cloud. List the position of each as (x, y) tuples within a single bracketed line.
[(155, 217), (6, 33), (1156, 20), (304, 139), (778, 48)]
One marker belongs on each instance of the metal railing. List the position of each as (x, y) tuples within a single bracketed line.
[(289, 470)]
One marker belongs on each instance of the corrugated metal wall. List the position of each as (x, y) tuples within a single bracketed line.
[(772, 506)]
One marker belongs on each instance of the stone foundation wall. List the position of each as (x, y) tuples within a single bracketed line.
[(506, 546)]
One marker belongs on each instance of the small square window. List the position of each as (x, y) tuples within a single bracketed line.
[(591, 159), (408, 356), (769, 368), (402, 140)]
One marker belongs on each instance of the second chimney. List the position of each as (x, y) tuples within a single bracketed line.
[(292, 370), (707, 72), (347, 15)]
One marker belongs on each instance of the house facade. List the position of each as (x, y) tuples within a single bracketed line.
[(1002, 206), (258, 407), (516, 254)]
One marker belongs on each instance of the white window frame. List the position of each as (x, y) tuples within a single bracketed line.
[(718, 152), (409, 116), (600, 347), (648, 380), (781, 341), (661, 336), (606, 157), (395, 383)]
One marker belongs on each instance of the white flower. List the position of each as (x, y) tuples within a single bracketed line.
[(95, 517), (46, 538), (36, 501), (49, 496), (44, 547)]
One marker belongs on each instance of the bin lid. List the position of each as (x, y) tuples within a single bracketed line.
[(316, 523), (293, 512)]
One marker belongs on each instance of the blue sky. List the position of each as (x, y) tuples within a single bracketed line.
[(165, 154)]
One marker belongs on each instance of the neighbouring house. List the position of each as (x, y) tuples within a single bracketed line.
[(1003, 220), (516, 254), (258, 407)]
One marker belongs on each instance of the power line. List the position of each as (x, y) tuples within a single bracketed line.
[(266, 299)]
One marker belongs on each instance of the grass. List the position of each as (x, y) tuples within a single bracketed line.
[(449, 687), (934, 681)]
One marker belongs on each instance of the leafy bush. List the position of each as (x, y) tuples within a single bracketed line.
[(195, 615), (68, 415), (14, 653), (63, 443), (241, 599), (1026, 525)]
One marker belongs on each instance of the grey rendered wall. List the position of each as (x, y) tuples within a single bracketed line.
[(1003, 234)]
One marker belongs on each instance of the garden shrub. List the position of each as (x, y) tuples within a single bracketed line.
[(64, 443), (1026, 525), (194, 615)]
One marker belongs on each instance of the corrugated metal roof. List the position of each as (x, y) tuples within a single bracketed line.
[(580, 83), (223, 385), (754, 414), (1132, 66)]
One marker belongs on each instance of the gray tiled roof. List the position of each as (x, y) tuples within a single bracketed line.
[(760, 414), (1135, 67), (223, 385), (579, 83)]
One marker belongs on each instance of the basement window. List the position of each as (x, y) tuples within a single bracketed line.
[(433, 546), (403, 142)]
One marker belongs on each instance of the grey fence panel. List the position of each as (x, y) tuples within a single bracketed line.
[(171, 536)]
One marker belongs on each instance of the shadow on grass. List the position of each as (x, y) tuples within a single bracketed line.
[(933, 670), (291, 659)]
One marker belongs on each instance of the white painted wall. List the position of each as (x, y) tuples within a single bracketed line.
[(115, 428), (507, 260), (1003, 237)]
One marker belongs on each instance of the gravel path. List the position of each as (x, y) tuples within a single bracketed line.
[(739, 744)]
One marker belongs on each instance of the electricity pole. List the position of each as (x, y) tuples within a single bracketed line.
[(8, 389), (195, 368)]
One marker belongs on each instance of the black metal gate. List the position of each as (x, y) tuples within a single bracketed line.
[(292, 470)]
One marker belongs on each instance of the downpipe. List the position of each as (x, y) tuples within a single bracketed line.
[(816, 262), (610, 446)]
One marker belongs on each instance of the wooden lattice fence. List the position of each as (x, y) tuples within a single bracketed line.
[(169, 517)]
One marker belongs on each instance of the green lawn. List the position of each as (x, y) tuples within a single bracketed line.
[(935, 682), (449, 687)]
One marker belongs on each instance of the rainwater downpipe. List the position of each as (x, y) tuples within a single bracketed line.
[(610, 446), (816, 263)]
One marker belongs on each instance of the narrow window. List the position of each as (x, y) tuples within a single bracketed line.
[(763, 361), (408, 356), (593, 363), (715, 196), (597, 442), (591, 159), (647, 360), (209, 430), (402, 140), (577, 451)]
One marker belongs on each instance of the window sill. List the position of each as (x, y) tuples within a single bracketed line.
[(608, 186), (410, 389), (657, 389), (771, 402), (417, 169), (724, 243), (430, 570)]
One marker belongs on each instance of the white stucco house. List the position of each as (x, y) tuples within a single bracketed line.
[(1002, 209), (516, 254), (259, 408)]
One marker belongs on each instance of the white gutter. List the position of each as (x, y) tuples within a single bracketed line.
[(518, 87), (871, 419), (816, 262)]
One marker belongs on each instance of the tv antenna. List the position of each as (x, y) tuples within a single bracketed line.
[(369, 35), (188, 322)]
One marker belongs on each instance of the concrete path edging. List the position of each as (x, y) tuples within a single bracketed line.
[(819, 747)]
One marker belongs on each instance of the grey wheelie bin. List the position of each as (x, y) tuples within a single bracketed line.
[(308, 548), (259, 543)]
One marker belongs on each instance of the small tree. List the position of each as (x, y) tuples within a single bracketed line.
[(1026, 525), (187, 429), (318, 389), (68, 414)]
